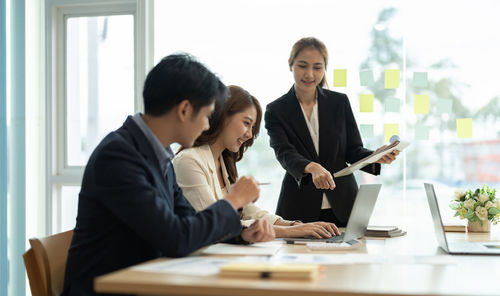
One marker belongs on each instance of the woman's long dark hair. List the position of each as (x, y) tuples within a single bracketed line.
[(239, 100)]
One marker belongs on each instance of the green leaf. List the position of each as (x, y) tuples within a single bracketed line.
[(456, 214), (481, 223), (493, 211), (455, 206), (470, 214)]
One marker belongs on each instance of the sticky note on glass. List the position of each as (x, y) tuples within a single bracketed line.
[(392, 105), (391, 78), (444, 106), (421, 104), (420, 79), (366, 78), (390, 130), (464, 127), (366, 103), (422, 132), (340, 77), (366, 130)]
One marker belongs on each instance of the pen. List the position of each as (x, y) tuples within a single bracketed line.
[(264, 183)]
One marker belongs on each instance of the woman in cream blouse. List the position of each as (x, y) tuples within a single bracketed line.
[(206, 171)]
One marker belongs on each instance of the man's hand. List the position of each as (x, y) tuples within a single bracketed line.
[(259, 231), (243, 192), (321, 177)]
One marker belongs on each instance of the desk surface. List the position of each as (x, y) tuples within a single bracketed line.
[(465, 275)]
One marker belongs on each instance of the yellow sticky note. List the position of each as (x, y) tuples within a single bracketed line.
[(390, 130), (464, 127), (366, 103), (340, 77), (391, 78), (421, 104)]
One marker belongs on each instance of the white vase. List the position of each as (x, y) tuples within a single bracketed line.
[(476, 227)]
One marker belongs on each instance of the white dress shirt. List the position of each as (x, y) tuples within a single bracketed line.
[(313, 126), (197, 176)]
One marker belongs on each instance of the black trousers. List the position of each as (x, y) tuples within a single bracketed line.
[(327, 215)]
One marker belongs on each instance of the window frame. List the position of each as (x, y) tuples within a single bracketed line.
[(58, 172)]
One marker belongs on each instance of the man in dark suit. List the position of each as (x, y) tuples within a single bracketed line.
[(130, 207)]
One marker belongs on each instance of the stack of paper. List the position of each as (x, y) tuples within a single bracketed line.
[(267, 248), (384, 231)]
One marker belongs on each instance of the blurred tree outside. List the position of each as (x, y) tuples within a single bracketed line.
[(386, 52)]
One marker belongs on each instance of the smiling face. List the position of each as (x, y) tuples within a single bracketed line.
[(238, 129), (308, 69)]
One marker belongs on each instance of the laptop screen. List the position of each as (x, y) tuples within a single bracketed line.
[(436, 216), (361, 211)]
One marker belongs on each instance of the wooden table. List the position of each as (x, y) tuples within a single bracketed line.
[(466, 275)]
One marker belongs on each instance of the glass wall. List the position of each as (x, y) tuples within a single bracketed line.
[(443, 97)]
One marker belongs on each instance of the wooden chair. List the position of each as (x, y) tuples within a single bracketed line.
[(45, 263)]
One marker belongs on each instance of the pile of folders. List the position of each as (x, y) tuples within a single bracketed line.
[(384, 231)]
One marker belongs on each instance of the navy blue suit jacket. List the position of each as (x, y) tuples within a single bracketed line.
[(339, 143), (128, 212)]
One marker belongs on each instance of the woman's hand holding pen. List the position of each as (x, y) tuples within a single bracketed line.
[(321, 177)]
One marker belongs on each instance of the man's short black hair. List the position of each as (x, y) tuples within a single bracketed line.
[(179, 77)]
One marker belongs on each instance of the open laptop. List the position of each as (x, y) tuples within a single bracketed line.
[(358, 220), (463, 248)]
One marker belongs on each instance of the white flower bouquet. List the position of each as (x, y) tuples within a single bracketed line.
[(479, 205)]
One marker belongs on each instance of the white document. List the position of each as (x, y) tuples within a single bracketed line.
[(210, 265), (197, 266), (268, 248), (376, 155), (355, 258)]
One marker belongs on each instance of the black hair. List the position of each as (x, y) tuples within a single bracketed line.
[(179, 77)]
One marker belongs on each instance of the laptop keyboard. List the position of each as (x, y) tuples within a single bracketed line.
[(338, 238)]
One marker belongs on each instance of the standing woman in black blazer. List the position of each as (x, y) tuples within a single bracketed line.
[(314, 134)]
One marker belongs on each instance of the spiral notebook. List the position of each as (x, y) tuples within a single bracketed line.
[(270, 270)]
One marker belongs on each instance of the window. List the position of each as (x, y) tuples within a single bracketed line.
[(97, 67), (248, 42), (99, 81)]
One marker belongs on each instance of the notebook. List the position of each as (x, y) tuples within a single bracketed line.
[(461, 248), (270, 270), (358, 220)]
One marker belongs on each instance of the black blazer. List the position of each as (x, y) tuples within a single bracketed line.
[(339, 144), (128, 212)]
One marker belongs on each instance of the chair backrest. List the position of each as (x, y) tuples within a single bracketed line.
[(46, 263)]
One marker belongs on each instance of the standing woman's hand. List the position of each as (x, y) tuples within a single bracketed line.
[(322, 178), (387, 158)]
